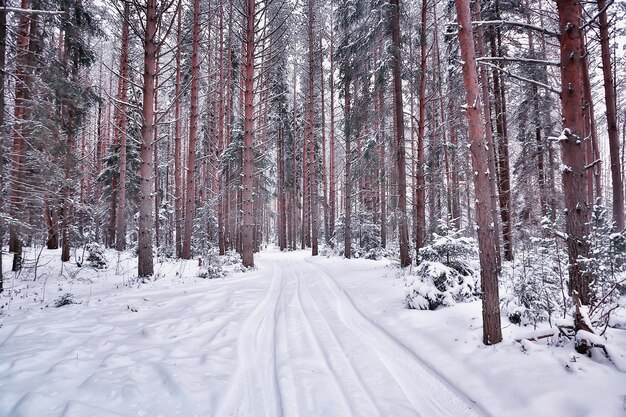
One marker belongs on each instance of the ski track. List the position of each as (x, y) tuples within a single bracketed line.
[(318, 393), (286, 341), (429, 393), (307, 350), (253, 389)]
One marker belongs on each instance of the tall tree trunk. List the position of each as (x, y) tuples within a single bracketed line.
[(178, 188), (144, 241), (155, 154), (120, 242), (492, 332), (190, 206), (577, 212), (403, 231), (312, 180), (594, 161), (22, 86), (221, 215), (383, 171), (420, 228), (3, 49), (248, 138), (491, 154), (327, 235), (70, 112), (281, 197), (611, 118), (347, 238), (332, 197), (501, 152)]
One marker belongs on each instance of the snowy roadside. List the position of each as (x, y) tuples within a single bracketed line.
[(506, 379), (170, 346)]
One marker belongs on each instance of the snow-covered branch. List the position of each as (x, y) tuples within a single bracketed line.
[(555, 90), (516, 59), (516, 24), (31, 11)]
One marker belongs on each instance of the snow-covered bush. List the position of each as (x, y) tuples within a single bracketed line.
[(535, 282), (447, 274), (210, 266), (96, 256)]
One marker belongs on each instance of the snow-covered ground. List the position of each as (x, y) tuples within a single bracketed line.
[(298, 336)]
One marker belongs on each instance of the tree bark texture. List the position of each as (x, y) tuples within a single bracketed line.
[(611, 118), (146, 221), (178, 187), (347, 252), (247, 206), (492, 332), (190, 195), (120, 241), (311, 124), (577, 212), (403, 231)]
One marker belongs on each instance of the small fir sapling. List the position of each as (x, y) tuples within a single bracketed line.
[(96, 256), (536, 279), (606, 264), (65, 299), (448, 272), (210, 266)]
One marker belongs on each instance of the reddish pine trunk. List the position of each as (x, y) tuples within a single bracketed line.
[(611, 117), (190, 206), (331, 169), (492, 332), (144, 241), (403, 231), (178, 188), (491, 155), (420, 228), (120, 243), (248, 138), (572, 145), (312, 181)]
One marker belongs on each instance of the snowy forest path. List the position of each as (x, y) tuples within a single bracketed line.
[(289, 339), (308, 350)]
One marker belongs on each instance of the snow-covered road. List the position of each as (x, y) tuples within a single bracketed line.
[(285, 340), (307, 350)]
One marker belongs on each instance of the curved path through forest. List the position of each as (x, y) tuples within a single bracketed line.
[(308, 350), (285, 340)]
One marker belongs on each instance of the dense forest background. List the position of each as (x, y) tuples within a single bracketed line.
[(360, 128)]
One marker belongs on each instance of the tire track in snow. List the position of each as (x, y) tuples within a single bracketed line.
[(301, 322), (253, 389), (430, 393), (288, 391), (351, 373)]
